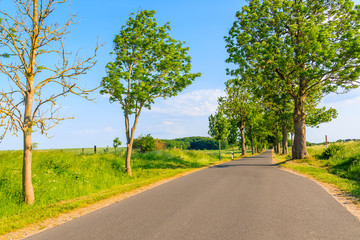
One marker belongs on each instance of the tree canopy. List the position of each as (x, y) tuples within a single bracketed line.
[(304, 48), (148, 64)]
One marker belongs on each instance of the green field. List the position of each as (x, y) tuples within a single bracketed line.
[(67, 179), (339, 165)]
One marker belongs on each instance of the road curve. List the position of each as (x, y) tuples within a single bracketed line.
[(248, 198)]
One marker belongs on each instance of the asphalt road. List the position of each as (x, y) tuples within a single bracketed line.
[(243, 199)]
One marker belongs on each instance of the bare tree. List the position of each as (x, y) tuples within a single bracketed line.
[(39, 70)]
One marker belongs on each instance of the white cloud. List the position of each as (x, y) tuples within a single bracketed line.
[(195, 104), (355, 100), (343, 102), (108, 129), (165, 129)]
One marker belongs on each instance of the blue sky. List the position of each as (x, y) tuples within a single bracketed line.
[(202, 25)]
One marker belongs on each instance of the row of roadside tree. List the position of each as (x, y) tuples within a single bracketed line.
[(285, 57)]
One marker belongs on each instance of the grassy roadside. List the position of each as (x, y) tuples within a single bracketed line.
[(341, 169), (66, 180)]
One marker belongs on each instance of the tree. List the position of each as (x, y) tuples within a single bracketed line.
[(311, 46), (233, 134), (116, 143), (218, 127), (236, 105), (281, 104), (254, 120), (148, 64), (35, 80)]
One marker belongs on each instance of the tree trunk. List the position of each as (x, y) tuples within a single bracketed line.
[(251, 140), (278, 146), (275, 147), (27, 187), (243, 148), (299, 150), (220, 150), (284, 140), (128, 158), (130, 138), (129, 150), (252, 145), (262, 144)]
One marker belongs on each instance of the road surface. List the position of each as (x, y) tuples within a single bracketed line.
[(248, 198)]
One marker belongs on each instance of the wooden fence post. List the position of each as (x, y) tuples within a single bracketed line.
[(326, 141)]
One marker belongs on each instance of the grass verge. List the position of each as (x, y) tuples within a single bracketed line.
[(66, 180), (339, 170)]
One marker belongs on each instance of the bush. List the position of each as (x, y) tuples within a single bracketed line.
[(331, 151), (116, 143), (160, 145), (144, 143)]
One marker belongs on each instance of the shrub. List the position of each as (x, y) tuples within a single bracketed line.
[(331, 151), (116, 143), (144, 143), (160, 145)]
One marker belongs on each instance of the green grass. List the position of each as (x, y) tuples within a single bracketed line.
[(66, 179), (342, 169)]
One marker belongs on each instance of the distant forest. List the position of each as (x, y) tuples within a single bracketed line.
[(194, 143)]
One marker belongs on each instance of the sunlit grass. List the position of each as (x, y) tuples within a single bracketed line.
[(341, 170), (67, 179)]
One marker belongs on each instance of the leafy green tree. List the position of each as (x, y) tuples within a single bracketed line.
[(236, 105), (311, 46), (281, 104), (116, 143), (218, 127), (233, 134), (148, 64), (272, 124), (253, 125), (261, 131), (315, 116)]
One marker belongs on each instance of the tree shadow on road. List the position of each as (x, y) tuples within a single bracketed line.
[(288, 159), (243, 165)]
